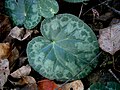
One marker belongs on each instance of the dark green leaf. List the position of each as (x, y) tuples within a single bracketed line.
[(105, 86)]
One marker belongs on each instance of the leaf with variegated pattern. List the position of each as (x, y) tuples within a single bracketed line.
[(67, 46)]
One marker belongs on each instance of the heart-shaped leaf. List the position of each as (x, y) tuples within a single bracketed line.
[(75, 1), (29, 12), (24, 12), (68, 45)]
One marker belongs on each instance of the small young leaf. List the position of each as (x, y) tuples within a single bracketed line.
[(48, 8), (68, 45)]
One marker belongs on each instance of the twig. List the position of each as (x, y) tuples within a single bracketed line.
[(80, 11), (79, 71), (114, 75), (113, 9), (95, 6)]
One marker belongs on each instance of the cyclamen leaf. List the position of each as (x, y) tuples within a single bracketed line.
[(75, 1), (24, 12), (103, 86), (67, 46), (29, 12), (48, 8)]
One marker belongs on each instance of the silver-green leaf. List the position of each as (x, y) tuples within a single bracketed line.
[(67, 46), (24, 12), (48, 8), (29, 12)]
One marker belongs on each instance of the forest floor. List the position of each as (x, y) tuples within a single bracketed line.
[(98, 14)]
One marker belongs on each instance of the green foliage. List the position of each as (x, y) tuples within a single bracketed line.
[(68, 45), (29, 12), (105, 86), (75, 1)]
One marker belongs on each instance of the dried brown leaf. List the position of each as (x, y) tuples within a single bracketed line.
[(22, 60), (30, 87), (109, 39), (27, 34), (115, 21), (47, 85), (27, 87), (14, 55), (19, 33), (4, 72), (105, 16), (4, 50), (23, 71), (95, 12), (25, 80), (5, 26), (75, 85)]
